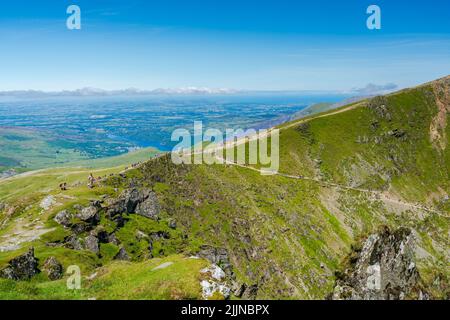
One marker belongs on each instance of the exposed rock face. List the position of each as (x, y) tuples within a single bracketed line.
[(113, 239), (131, 198), (53, 268), (143, 202), (80, 227), (214, 283), (91, 244), (22, 267), (250, 292), (72, 242), (8, 273), (64, 218), (101, 234), (379, 106), (89, 214), (122, 255), (149, 207), (244, 291), (383, 269), (126, 203), (238, 289), (218, 256), (439, 122), (158, 235)]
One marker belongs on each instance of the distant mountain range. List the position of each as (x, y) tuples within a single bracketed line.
[(88, 92), (370, 89)]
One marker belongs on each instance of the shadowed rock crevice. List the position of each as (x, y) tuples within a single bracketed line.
[(382, 269)]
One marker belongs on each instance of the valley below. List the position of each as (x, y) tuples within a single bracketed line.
[(53, 132), (359, 208)]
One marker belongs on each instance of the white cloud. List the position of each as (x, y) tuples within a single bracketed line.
[(372, 88)]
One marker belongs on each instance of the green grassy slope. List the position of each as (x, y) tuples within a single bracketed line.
[(120, 280), (47, 180), (313, 109), (373, 163)]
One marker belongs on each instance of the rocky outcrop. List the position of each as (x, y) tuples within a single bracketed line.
[(64, 218), (84, 218), (149, 208), (53, 268), (100, 233), (159, 235), (218, 256), (244, 291), (383, 269), (72, 242), (439, 123), (143, 202), (379, 105), (122, 255), (81, 227), (214, 283), (22, 267), (84, 222), (91, 244), (113, 239), (89, 214), (250, 292)]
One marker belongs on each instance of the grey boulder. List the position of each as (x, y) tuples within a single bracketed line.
[(91, 244), (53, 268), (149, 208), (63, 218), (22, 267), (89, 214)]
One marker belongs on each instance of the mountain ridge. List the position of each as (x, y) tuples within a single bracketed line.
[(275, 237)]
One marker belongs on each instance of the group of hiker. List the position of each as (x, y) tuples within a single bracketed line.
[(134, 165), (91, 182)]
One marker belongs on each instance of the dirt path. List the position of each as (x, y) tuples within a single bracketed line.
[(376, 195), (24, 231)]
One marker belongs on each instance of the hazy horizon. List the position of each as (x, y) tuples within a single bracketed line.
[(280, 46)]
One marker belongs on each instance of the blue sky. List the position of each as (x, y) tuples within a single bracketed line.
[(246, 44)]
